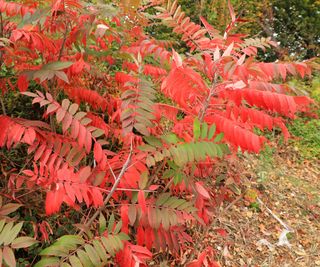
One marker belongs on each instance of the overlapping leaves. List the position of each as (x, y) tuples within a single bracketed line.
[(75, 251), (181, 152), (9, 231), (137, 107)]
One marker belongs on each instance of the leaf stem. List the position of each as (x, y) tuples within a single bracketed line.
[(53, 88), (113, 189), (1, 35), (207, 101)]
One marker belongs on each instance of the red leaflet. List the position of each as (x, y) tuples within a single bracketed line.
[(70, 191), (133, 255), (28, 172), (185, 86), (88, 142), (13, 9), (83, 95), (96, 195), (237, 135), (98, 122), (222, 232), (125, 219), (202, 191), (39, 152), (142, 201), (23, 83), (79, 66), (54, 199), (283, 104), (140, 235), (84, 174), (232, 14), (144, 254), (148, 69), (82, 135), (124, 78), (209, 27), (205, 258), (44, 228), (66, 122), (97, 151), (177, 59)]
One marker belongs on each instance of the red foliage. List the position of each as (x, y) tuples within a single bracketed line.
[(173, 112)]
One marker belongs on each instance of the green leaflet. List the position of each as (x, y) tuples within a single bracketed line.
[(168, 210), (153, 141), (183, 153), (141, 128), (8, 236), (92, 254), (5, 234), (170, 138), (204, 130), (58, 65), (150, 161), (111, 223), (162, 199), (118, 227), (98, 247), (102, 223), (13, 234), (73, 250), (219, 137), (144, 121), (145, 113), (84, 258), (178, 178), (23, 242), (74, 261), (147, 148), (212, 131), (196, 129), (52, 261)]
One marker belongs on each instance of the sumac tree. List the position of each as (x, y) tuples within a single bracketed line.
[(130, 127)]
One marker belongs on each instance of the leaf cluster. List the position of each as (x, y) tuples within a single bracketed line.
[(105, 145)]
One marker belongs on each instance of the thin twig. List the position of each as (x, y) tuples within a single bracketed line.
[(156, 171), (114, 176), (3, 107), (1, 59), (233, 202), (1, 25), (275, 216), (53, 88), (1, 35), (207, 101), (168, 184), (65, 35), (219, 215), (113, 189)]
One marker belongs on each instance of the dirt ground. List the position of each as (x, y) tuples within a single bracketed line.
[(277, 221)]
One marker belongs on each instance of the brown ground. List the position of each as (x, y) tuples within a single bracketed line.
[(291, 190)]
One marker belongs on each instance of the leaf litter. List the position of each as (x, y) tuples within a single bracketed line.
[(282, 228)]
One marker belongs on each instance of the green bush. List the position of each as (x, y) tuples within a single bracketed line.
[(308, 137)]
